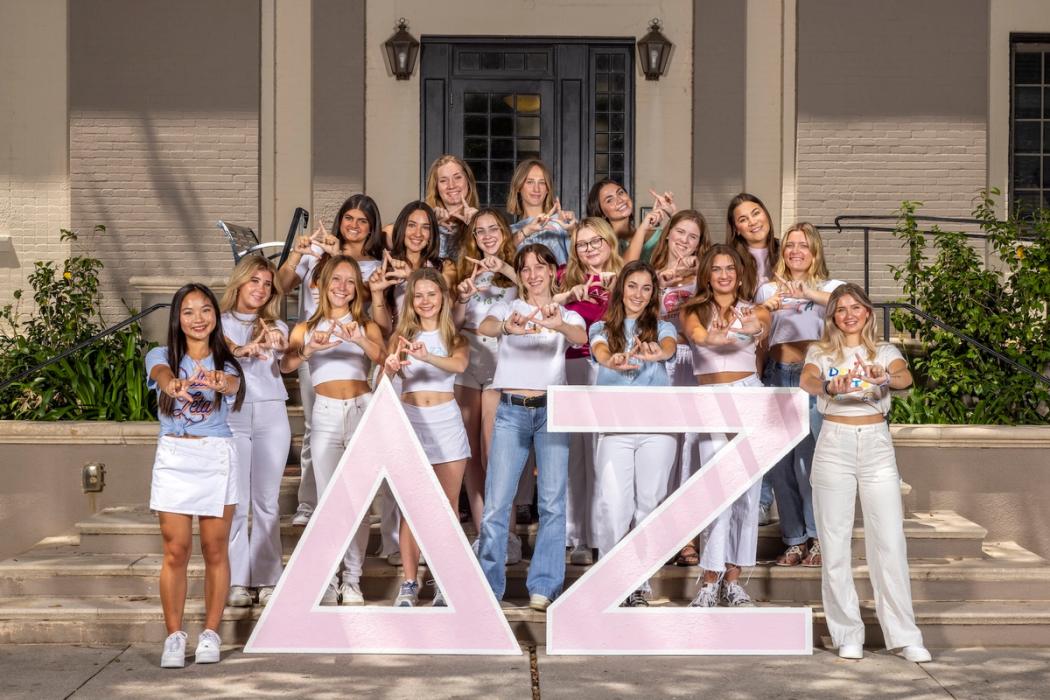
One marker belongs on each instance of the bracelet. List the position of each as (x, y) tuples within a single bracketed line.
[(825, 386), (503, 327), (378, 306)]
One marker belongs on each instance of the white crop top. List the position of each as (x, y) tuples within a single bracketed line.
[(865, 399), (671, 300), (533, 361), (738, 357), (796, 319), (345, 361), (480, 304), (423, 376), (262, 377)]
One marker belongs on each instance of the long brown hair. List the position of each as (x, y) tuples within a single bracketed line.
[(324, 280), (408, 323), (645, 326), (703, 303), (514, 204), (832, 340), (468, 247), (735, 239), (248, 266), (662, 252)]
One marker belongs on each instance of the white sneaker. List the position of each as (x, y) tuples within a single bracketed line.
[(581, 556), (851, 651), (734, 595), (474, 547), (764, 515), (394, 559), (208, 644), (239, 597), (916, 653), (513, 549), (407, 595), (265, 593), (706, 597), (302, 515), (174, 654), (330, 597), (350, 594), (539, 602)]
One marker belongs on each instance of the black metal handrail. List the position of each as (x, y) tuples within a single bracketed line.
[(886, 306), (83, 344)]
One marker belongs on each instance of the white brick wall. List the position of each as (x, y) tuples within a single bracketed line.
[(159, 184), (869, 166)]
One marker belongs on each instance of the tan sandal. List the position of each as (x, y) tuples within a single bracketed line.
[(813, 558), (688, 556), (793, 556)]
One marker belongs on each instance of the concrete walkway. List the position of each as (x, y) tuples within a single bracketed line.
[(42, 672)]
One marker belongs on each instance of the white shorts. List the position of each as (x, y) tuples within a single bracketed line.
[(440, 431), (481, 369), (194, 476)]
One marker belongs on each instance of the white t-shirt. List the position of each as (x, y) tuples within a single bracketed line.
[(262, 378), (865, 399), (533, 361), (796, 319)]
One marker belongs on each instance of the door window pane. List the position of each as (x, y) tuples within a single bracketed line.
[(1030, 125), (505, 131)]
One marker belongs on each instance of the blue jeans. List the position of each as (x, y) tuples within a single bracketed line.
[(791, 474), (516, 430)]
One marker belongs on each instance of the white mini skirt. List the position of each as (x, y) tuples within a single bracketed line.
[(440, 431), (194, 476)]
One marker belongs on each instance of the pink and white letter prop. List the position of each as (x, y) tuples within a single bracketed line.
[(587, 618), (384, 446)]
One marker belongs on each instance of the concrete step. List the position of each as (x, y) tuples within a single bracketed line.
[(133, 529), (124, 619), (1008, 572)]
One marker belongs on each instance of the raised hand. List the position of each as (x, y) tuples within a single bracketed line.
[(840, 384), (749, 323), (647, 352), (516, 324), (414, 348), (273, 337), (393, 363), (718, 332), (468, 287), (324, 240), (621, 362), (319, 342), (872, 373), (304, 245), (664, 202), (179, 389), (548, 316), (213, 379)]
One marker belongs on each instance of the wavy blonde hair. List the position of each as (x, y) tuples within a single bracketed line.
[(832, 340), (431, 195), (409, 325), (818, 268), (574, 270), (514, 204), (324, 280), (248, 266)]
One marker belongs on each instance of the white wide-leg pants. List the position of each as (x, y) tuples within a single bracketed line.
[(848, 459), (307, 484), (261, 437)]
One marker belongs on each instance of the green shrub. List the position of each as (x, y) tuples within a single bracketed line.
[(1005, 308), (104, 381)]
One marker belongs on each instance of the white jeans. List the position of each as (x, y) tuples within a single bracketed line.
[(307, 485), (334, 423), (579, 504), (633, 476), (849, 458), (261, 436), (732, 537)]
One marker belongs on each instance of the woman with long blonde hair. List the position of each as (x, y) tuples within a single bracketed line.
[(851, 373), (452, 191), (261, 432), (594, 262), (340, 343), (725, 328), (796, 296), (538, 215), (427, 353)]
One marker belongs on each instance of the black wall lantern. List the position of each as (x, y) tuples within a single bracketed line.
[(401, 51), (654, 50)]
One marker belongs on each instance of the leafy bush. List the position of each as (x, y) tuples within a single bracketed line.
[(104, 381), (1005, 308)]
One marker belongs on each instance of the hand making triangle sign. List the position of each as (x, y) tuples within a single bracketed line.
[(383, 447), (587, 619)]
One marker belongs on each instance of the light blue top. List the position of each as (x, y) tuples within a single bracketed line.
[(206, 415), (650, 374), (554, 235)]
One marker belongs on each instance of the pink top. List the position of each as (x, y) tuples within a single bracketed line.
[(590, 310), (738, 357)]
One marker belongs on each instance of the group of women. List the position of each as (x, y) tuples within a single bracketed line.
[(473, 318)]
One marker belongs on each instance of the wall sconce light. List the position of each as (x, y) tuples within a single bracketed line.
[(401, 51), (654, 50)]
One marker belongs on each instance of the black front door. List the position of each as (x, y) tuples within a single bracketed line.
[(497, 101)]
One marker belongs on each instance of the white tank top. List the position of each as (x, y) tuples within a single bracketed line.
[(262, 377), (738, 357), (345, 361), (423, 376)]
